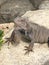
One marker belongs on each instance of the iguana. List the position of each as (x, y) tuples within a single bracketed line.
[(31, 31)]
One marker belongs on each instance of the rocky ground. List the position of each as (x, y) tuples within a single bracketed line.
[(14, 55), (9, 9), (13, 8)]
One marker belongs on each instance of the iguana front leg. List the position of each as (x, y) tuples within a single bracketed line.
[(14, 38), (31, 34), (29, 48)]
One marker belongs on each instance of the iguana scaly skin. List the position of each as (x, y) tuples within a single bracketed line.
[(32, 31)]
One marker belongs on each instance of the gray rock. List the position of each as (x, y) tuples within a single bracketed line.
[(47, 62), (10, 9), (40, 4), (13, 7), (2, 1), (44, 5), (36, 3)]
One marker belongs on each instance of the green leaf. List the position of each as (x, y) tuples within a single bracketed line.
[(1, 40), (1, 33)]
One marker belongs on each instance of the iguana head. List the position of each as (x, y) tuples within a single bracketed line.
[(20, 23)]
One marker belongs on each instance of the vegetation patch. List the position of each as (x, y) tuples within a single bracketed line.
[(1, 36)]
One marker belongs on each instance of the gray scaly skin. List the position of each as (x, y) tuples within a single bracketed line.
[(32, 31)]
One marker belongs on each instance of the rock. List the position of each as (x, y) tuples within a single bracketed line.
[(12, 7), (44, 5), (4, 17), (40, 4), (2, 1), (47, 62), (40, 17), (36, 3)]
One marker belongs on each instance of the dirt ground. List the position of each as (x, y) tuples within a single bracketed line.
[(6, 27)]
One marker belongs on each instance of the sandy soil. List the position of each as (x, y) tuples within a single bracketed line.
[(6, 27)]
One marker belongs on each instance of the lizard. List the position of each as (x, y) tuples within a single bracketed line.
[(32, 31)]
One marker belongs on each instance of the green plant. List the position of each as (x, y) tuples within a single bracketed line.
[(1, 40)]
